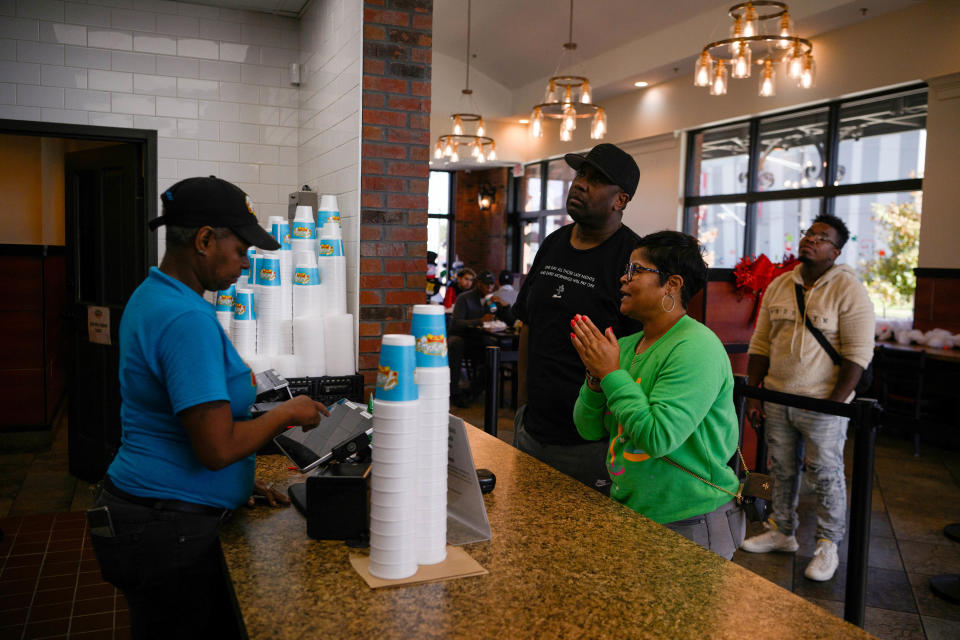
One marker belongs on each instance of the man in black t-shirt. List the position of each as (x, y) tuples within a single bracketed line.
[(576, 270)]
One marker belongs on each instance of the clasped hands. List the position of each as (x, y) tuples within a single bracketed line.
[(598, 350)]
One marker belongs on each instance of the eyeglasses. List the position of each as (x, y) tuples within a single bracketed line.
[(633, 268), (816, 238)]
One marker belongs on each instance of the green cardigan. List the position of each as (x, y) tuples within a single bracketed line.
[(675, 400)]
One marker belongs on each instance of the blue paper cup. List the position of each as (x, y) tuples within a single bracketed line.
[(303, 230), (281, 232), (268, 271), (429, 329), (395, 381), (251, 256), (329, 247), (225, 298), (243, 305), (306, 276)]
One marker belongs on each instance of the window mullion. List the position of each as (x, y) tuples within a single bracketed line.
[(753, 163), (832, 153)]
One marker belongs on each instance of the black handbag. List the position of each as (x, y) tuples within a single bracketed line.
[(866, 378), (754, 495)]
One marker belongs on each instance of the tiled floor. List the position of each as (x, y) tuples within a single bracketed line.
[(50, 587)]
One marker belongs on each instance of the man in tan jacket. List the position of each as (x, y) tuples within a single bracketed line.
[(785, 356)]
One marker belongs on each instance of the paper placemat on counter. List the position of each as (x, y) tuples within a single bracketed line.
[(458, 564)]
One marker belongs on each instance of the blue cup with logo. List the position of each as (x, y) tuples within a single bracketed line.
[(225, 298), (303, 230), (395, 382), (329, 247), (243, 305), (251, 258), (280, 230), (268, 271), (306, 276), (429, 328)]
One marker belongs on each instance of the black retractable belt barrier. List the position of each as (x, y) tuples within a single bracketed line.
[(491, 401), (864, 414)]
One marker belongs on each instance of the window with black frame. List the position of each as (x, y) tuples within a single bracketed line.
[(541, 206), (440, 226), (753, 186)]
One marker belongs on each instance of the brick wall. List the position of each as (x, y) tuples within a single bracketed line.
[(481, 235), (395, 170)]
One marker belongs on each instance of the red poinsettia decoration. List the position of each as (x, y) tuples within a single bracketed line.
[(754, 274)]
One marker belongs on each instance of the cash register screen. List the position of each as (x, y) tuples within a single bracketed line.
[(309, 449)]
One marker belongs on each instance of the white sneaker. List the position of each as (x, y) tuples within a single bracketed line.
[(824, 563), (771, 540)]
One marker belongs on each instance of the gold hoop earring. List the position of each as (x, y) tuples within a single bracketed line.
[(672, 306)]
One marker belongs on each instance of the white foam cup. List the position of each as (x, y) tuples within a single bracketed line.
[(392, 527), (384, 409), (391, 544), (388, 514), (392, 571), (388, 470), (386, 486), (389, 440), (393, 498), (433, 375)]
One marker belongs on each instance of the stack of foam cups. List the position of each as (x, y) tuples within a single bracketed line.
[(331, 259), (303, 232), (393, 493), (245, 281), (280, 229), (309, 347), (433, 385), (224, 307), (338, 338), (243, 329), (328, 209), (270, 311)]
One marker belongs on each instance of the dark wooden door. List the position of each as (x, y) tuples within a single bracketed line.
[(106, 260)]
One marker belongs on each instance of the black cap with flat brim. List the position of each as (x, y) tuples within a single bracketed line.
[(200, 202), (614, 163)]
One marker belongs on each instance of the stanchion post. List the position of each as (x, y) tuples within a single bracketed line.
[(861, 496), (492, 396)]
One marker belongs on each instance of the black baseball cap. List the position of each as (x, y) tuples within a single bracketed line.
[(198, 202), (486, 277), (614, 163)]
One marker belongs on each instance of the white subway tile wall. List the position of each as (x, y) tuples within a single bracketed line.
[(215, 85), (329, 101)]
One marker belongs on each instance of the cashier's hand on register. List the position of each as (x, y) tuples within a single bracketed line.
[(302, 411)]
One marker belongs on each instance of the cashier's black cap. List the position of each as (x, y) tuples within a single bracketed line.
[(198, 202), (614, 163), (486, 277)]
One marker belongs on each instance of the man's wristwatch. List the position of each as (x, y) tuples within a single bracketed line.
[(592, 379)]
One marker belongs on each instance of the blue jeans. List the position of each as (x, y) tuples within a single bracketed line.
[(168, 566), (788, 431), (721, 531)]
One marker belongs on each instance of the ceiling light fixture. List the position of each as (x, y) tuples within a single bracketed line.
[(755, 38), (568, 98), (641, 84), (480, 146)]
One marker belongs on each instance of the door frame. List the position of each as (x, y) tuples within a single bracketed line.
[(146, 137)]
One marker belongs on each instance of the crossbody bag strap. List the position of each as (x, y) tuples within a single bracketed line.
[(822, 339), (738, 495)]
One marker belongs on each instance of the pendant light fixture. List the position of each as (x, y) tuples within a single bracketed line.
[(758, 38), (568, 98), (477, 145)]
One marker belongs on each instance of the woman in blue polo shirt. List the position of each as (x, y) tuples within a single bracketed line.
[(188, 444)]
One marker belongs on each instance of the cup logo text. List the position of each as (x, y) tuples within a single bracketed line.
[(301, 277), (432, 345), (387, 378), (268, 275)]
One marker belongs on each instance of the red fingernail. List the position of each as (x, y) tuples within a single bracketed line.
[(571, 335), (573, 322)]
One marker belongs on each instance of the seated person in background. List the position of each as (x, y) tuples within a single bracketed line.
[(471, 310), (506, 292), (664, 399), (464, 282)]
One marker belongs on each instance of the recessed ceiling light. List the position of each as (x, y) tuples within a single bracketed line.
[(641, 84), (523, 121)]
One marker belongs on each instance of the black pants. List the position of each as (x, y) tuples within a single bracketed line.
[(168, 566)]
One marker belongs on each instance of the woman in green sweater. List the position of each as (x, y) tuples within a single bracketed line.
[(664, 398)]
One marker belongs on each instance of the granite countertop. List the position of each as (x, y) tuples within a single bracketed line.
[(564, 562)]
